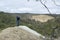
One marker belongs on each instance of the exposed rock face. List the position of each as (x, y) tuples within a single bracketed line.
[(16, 33), (42, 18)]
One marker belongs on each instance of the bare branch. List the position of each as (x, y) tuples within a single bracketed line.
[(55, 3), (45, 6), (28, 0)]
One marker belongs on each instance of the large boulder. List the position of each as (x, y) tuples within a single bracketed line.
[(17, 33)]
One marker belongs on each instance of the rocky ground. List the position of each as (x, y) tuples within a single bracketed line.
[(16, 33)]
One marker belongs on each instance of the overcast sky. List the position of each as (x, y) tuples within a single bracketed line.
[(23, 6)]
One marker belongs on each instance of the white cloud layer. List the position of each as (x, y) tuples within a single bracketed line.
[(25, 9), (25, 6), (57, 2)]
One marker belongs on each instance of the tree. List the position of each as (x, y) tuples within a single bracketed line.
[(43, 3), (55, 3)]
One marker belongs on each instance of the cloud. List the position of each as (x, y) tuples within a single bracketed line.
[(25, 9), (24, 6), (2, 4), (18, 10), (57, 2)]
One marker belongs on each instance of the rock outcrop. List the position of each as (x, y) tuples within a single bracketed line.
[(16, 33), (42, 18)]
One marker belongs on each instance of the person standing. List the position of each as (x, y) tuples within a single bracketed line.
[(17, 20)]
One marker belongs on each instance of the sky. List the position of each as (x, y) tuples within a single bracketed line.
[(23, 6)]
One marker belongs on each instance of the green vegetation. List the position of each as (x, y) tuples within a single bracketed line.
[(9, 20), (6, 20)]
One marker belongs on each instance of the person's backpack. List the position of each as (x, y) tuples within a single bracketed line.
[(18, 18)]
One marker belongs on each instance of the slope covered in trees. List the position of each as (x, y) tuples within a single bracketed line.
[(6, 20), (9, 20)]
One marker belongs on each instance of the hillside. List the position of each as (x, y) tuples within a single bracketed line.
[(6, 20), (45, 28), (42, 18)]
